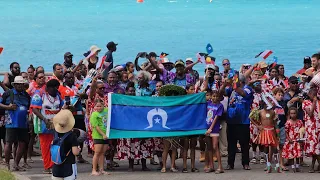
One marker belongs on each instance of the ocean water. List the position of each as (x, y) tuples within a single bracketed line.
[(39, 32)]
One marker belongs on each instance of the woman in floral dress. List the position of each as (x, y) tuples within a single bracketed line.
[(292, 148), (312, 125), (96, 92), (132, 148)]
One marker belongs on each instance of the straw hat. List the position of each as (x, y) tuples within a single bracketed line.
[(262, 64), (94, 49), (19, 80), (63, 121)]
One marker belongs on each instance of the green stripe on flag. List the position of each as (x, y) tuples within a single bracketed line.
[(117, 134), (119, 99)]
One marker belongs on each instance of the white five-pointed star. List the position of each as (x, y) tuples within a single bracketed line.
[(157, 120)]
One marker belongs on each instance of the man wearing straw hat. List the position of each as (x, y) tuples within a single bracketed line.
[(16, 102), (63, 123)]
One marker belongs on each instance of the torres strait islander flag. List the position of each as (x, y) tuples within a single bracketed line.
[(265, 54), (143, 117)]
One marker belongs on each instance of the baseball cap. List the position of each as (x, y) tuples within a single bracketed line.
[(153, 54), (189, 59), (179, 62), (111, 44), (210, 66), (67, 54), (307, 60), (293, 79)]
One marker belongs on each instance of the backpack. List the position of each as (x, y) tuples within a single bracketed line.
[(58, 156)]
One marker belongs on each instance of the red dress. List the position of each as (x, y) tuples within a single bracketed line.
[(312, 125), (292, 150)]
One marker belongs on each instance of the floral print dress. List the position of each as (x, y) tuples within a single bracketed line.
[(292, 150), (254, 132), (133, 148), (312, 125)]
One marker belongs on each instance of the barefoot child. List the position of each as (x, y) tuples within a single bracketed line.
[(267, 137), (278, 93), (97, 121), (214, 112), (292, 148), (189, 141)]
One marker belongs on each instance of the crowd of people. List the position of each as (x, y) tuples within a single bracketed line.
[(256, 107)]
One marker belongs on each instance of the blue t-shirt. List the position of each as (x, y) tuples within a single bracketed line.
[(214, 110), (181, 82), (239, 107), (19, 117)]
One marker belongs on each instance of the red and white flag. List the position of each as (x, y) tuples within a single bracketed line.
[(200, 58), (1, 49), (265, 54), (100, 62)]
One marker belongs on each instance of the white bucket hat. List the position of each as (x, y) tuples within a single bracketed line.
[(19, 80)]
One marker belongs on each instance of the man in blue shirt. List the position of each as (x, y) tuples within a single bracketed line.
[(16, 102), (240, 100)]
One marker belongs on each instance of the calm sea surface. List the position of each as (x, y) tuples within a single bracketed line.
[(39, 32)]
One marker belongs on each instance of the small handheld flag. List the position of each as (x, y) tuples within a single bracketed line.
[(1, 49), (210, 60), (163, 55), (275, 61), (209, 48), (100, 62), (200, 58), (264, 54)]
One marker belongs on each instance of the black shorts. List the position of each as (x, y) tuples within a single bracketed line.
[(100, 141), (17, 135), (3, 133)]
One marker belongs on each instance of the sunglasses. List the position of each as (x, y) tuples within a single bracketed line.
[(102, 88), (41, 77), (226, 64), (16, 67), (294, 82)]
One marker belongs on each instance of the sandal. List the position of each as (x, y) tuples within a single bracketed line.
[(209, 170), (229, 167), (47, 171), (115, 164), (253, 161), (269, 169), (284, 169), (303, 164), (153, 162), (18, 168), (184, 170), (246, 167), (26, 166), (174, 170), (219, 171), (311, 171), (195, 170), (163, 170)]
